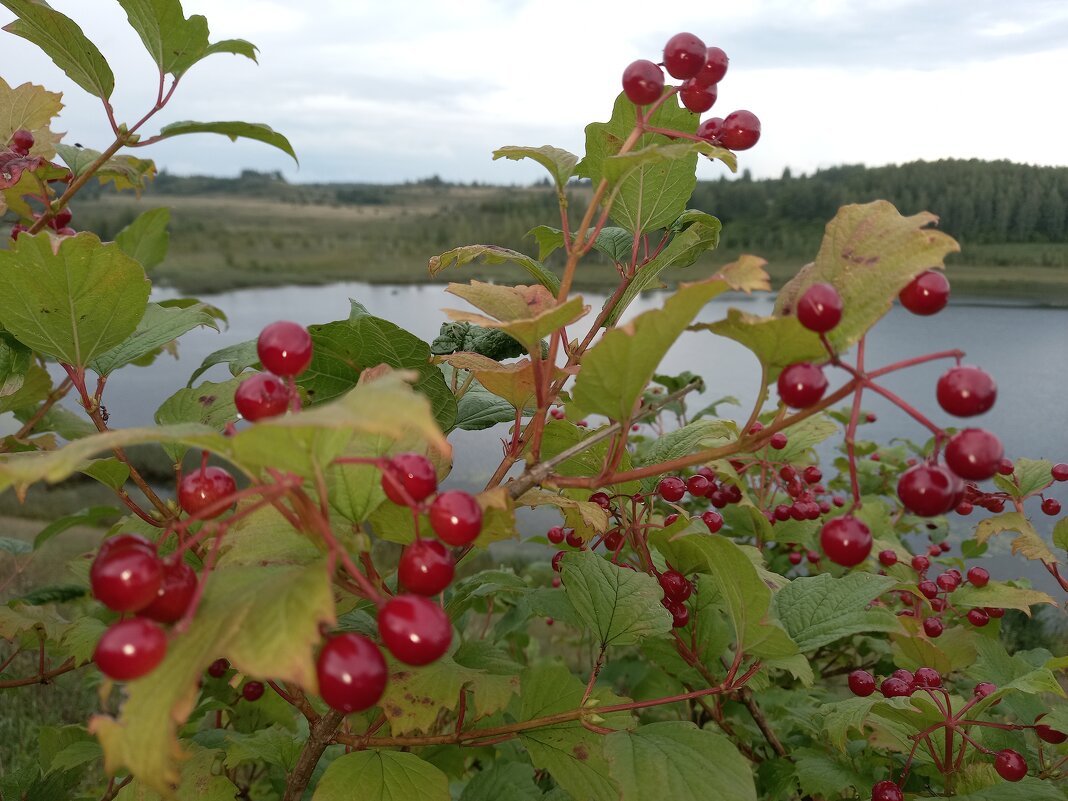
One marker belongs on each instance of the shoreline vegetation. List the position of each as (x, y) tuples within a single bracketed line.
[(258, 230)]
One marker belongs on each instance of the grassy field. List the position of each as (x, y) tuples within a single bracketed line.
[(222, 241)]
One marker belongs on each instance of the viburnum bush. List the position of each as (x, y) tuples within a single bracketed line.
[(716, 615)]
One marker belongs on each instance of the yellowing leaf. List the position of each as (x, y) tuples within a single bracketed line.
[(747, 274), (30, 107), (1027, 541)]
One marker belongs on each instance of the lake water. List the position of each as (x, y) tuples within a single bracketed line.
[(1024, 348)]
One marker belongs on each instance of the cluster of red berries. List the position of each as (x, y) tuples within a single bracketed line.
[(700, 69), (19, 146), (285, 351), (677, 588), (937, 592)]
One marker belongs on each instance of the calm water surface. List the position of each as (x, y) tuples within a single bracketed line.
[(1026, 349)]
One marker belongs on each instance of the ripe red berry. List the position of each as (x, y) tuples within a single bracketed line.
[(985, 688), (795, 557), (740, 131), (846, 540), (680, 614), (927, 490), (252, 691), (218, 668), (176, 591), (456, 517), (205, 488), (573, 538), (995, 611), (887, 558), (698, 97), (812, 474), (126, 579), (260, 396), (285, 348), (684, 55), (710, 129), (555, 535), (813, 557), (415, 474), (820, 308), (1048, 734), (61, 219), (613, 540), (903, 674), (643, 82), (675, 585), (714, 520), (22, 141), (1051, 506), (1010, 765), (861, 683), (933, 627), (1006, 468), (425, 567), (671, 489), (557, 558), (801, 385), (414, 629), (974, 453), (130, 649), (602, 500), (927, 677), (927, 294), (894, 687), (966, 391), (978, 576), (928, 589), (120, 541), (698, 486), (886, 791), (715, 67), (978, 617), (947, 582), (352, 673), (1059, 472), (920, 563), (778, 441)]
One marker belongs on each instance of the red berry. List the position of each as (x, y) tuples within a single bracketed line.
[(352, 673), (903, 674), (671, 489), (740, 131), (802, 385), (126, 579), (175, 593), (778, 441), (947, 581), (613, 540), (675, 585), (260, 396), (218, 668), (684, 55), (933, 627), (1010, 765), (130, 649), (573, 538), (285, 348), (1006, 468), (714, 520), (795, 557), (927, 677), (966, 391), (846, 541), (205, 488), (61, 219), (602, 500), (1048, 734), (555, 535), (698, 97), (120, 541), (415, 474), (252, 691), (978, 576), (456, 517), (22, 141), (698, 486), (1051, 506), (974, 453), (715, 67), (995, 611), (425, 567), (894, 687), (414, 629), (671, 519), (978, 617), (710, 129), (985, 688), (1059, 472), (820, 308), (680, 615), (812, 474), (861, 683), (886, 791), (928, 589), (557, 558), (927, 490), (887, 558), (812, 556), (920, 563), (643, 82), (927, 294)]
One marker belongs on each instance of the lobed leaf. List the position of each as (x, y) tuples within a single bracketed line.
[(375, 775), (32, 108), (560, 163)]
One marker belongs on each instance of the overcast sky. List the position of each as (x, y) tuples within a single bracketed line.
[(393, 91)]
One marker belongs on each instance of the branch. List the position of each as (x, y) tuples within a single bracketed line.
[(322, 732), (44, 676), (746, 697)]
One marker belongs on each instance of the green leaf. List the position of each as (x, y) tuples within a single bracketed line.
[(824, 776), (679, 761), (735, 577), (617, 369), (235, 47), (560, 435), (688, 439), (79, 641), (819, 610), (93, 516), (159, 326), (73, 305), (199, 781), (273, 745), (489, 342), (208, 403), (146, 238), (998, 593), (559, 163), (36, 385), (844, 716), (126, 172), (381, 776), (1027, 541), (1028, 477), (15, 547), (525, 313), (238, 358), (776, 341), (14, 362), (513, 781), (344, 349), (869, 253), (620, 606), (492, 254), (110, 472), (174, 42), (65, 43), (1060, 534), (1027, 789), (622, 166), (478, 408), (247, 130), (700, 235)]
